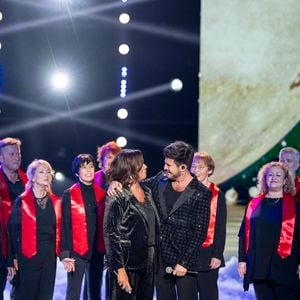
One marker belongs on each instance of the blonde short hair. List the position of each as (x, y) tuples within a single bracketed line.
[(31, 169)]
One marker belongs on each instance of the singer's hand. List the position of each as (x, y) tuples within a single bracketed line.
[(69, 264), (123, 280), (114, 188), (11, 272), (215, 263), (179, 270), (242, 269)]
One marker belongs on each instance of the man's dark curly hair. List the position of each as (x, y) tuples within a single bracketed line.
[(181, 152)]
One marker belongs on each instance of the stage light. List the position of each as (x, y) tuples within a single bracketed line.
[(122, 113), (124, 18), (60, 81), (121, 141), (0, 45), (124, 1), (59, 176), (124, 49), (176, 85), (1, 16), (283, 143)]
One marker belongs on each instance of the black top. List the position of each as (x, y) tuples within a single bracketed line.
[(46, 223), (171, 196), (263, 260), (90, 205), (14, 189), (147, 209)]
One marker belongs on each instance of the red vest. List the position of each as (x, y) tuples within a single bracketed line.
[(287, 225), (6, 206), (28, 223), (212, 218), (78, 218), (297, 184)]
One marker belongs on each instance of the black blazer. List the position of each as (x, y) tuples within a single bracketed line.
[(126, 231), (217, 248), (183, 230)]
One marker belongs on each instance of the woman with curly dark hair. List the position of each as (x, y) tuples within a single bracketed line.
[(269, 238), (130, 230)]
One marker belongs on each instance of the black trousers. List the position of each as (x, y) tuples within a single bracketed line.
[(37, 274), (270, 290), (142, 283), (207, 284), (93, 282), (169, 287)]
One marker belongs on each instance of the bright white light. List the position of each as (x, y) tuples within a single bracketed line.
[(124, 18), (60, 81), (124, 69), (122, 94), (283, 143), (122, 113), (121, 141), (59, 176), (123, 82), (0, 45), (124, 49), (1, 16), (176, 85), (124, 0)]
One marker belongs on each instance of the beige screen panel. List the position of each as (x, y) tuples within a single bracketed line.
[(250, 61)]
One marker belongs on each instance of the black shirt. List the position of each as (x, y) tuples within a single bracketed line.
[(148, 212), (46, 223), (171, 196), (14, 189)]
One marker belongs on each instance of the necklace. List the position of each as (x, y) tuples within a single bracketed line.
[(272, 202), (42, 202)]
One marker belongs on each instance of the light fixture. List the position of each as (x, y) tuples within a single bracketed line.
[(121, 141), (176, 85), (124, 49), (122, 113)]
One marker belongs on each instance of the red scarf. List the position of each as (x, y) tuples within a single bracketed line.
[(212, 218), (28, 223), (287, 226), (78, 217), (6, 205)]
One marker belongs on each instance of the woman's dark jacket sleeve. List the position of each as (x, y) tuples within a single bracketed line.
[(112, 236)]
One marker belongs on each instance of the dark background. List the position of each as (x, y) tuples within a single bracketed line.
[(87, 48)]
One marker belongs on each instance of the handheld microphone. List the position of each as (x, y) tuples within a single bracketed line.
[(169, 270)]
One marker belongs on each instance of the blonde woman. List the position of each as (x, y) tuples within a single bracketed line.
[(34, 235), (269, 238)]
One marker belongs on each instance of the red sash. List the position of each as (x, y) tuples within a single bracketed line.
[(28, 223), (6, 205), (287, 226), (212, 218), (297, 184), (78, 217)]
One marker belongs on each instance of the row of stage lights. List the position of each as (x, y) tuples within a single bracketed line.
[(124, 49)]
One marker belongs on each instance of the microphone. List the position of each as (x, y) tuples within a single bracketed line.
[(169, 270)]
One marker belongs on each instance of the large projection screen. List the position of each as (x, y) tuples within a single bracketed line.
[(249, 81)]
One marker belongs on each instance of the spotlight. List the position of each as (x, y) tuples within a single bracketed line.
[(283, 143), (0, 45), (1, 16), (124, 18), (60, 81), (176, 85), (59, 176), (122, 113), (121, 141), (124, 1), (124, 49)]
